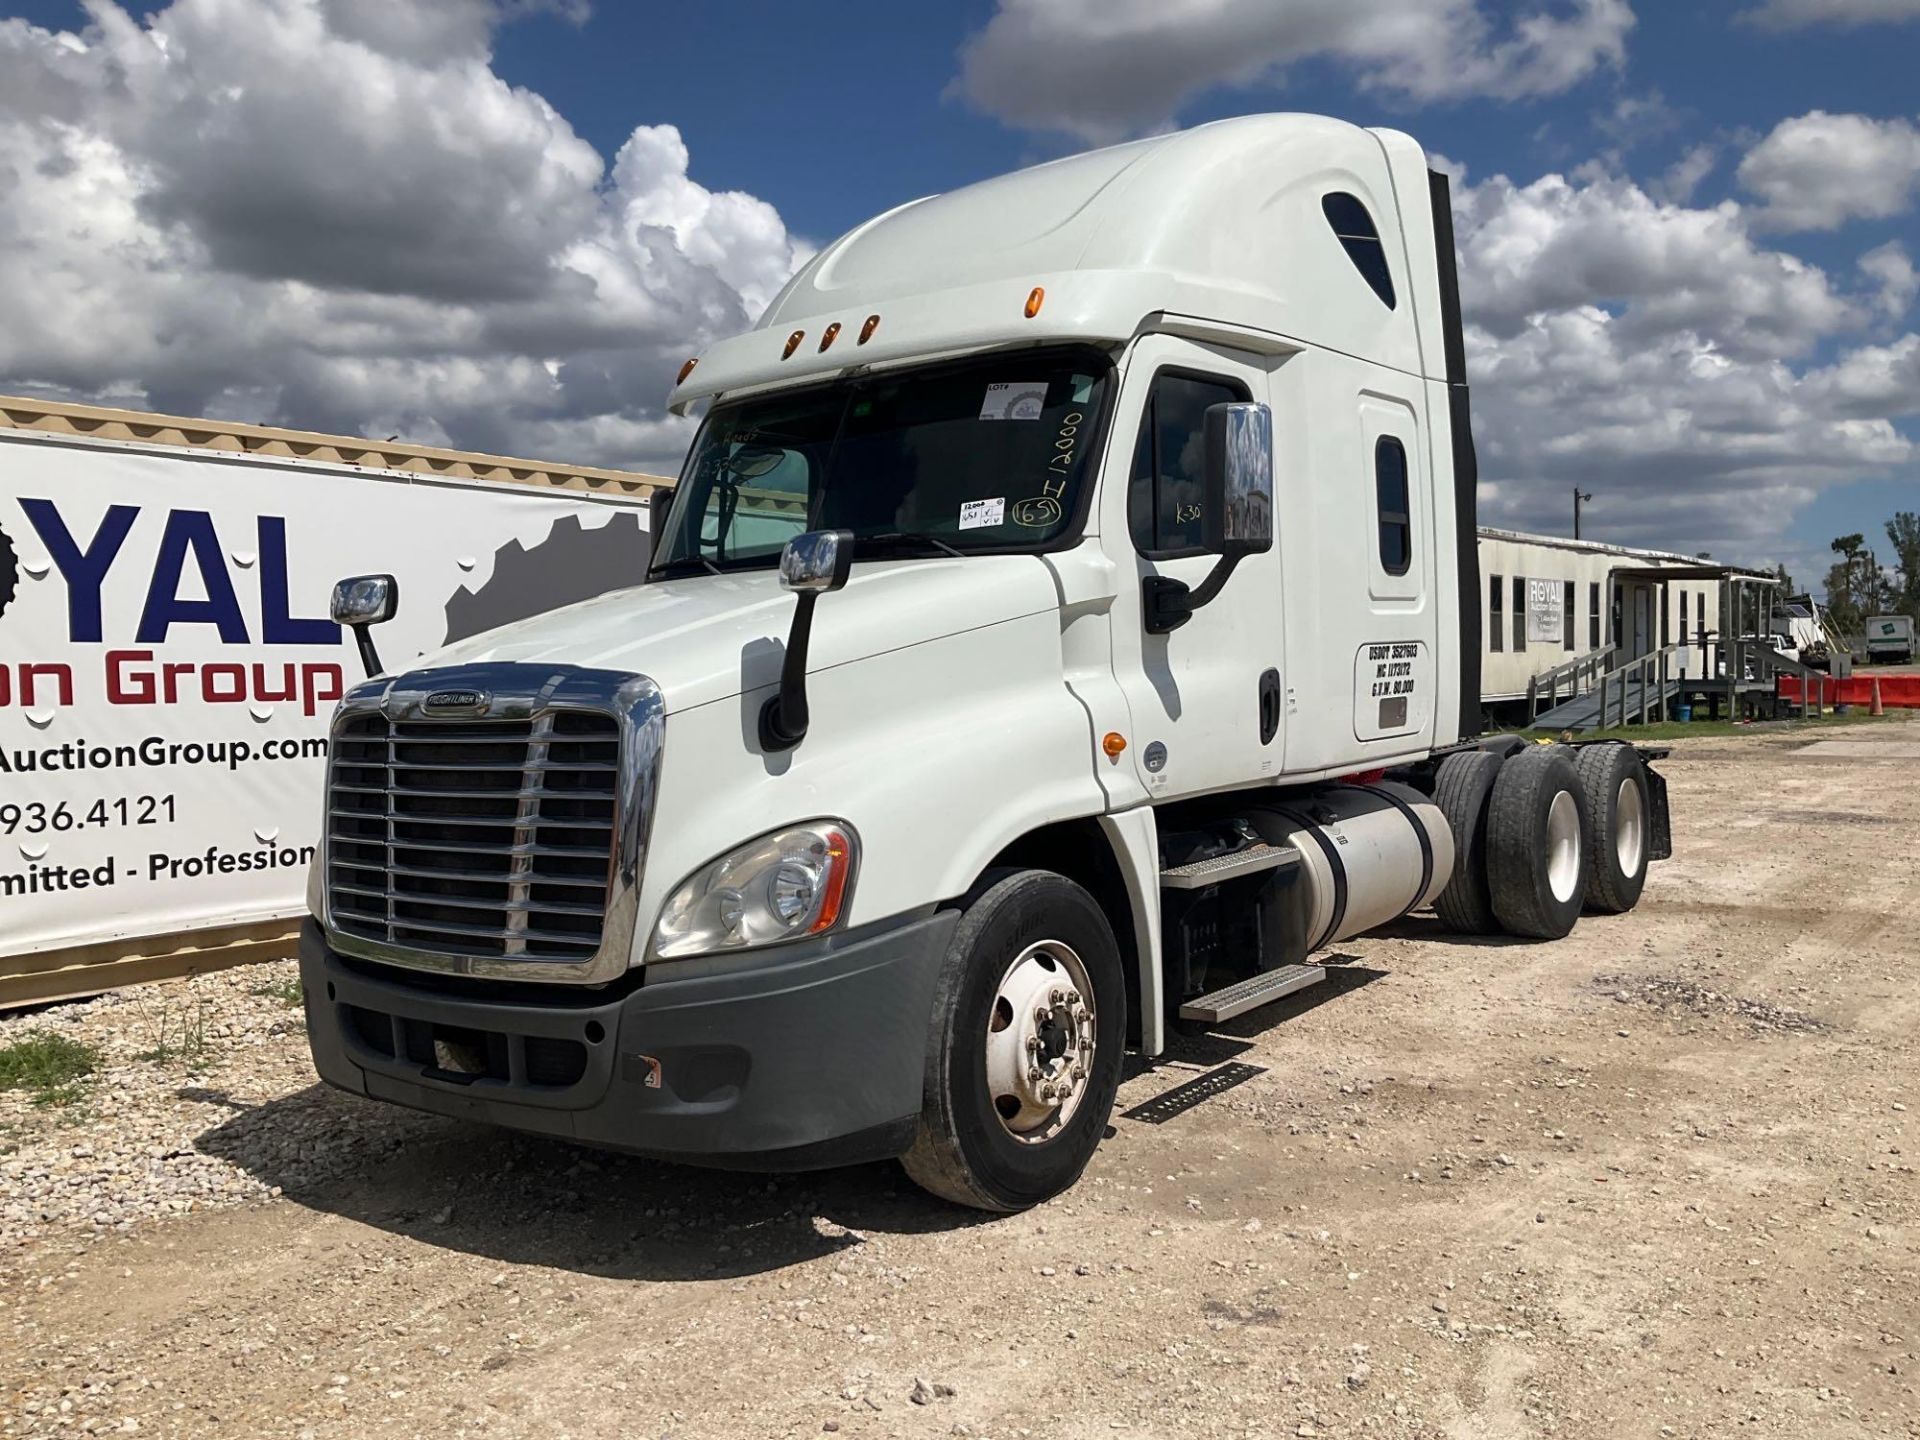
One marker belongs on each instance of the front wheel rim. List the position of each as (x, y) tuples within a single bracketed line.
[(1563, 846), (1040, 1042), (1629, 825)]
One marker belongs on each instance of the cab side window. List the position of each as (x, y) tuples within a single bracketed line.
[(1390, 500), (1169, 463)]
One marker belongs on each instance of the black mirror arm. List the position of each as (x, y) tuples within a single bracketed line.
[(784, 718), (369, 657), (1170, 603)]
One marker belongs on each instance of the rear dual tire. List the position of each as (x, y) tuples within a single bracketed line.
[(1462, 789), (1537, 823), (1619, 825), (1542, 835)]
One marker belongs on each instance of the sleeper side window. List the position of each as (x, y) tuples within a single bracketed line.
[(1169, 462), (1390, 498), (1353, 226)]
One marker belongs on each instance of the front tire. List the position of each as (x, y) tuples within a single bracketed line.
[(1536, 843), (1619, 825), (1023, 1055)]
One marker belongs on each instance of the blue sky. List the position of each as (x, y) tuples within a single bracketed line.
[(825, 114)]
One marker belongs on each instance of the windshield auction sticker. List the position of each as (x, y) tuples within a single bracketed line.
[(1015, 400), (981, 514)]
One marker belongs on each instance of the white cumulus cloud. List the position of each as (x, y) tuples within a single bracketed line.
[(1817, 171), (1102, 69), (335, 214), (1659, 356), (1891, 269)]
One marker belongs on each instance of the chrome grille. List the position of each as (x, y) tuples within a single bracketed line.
[(482, 837)]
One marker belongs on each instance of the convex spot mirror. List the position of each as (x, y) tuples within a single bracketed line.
[(365, 600), (817, 561), (751, 462), (1237, 515)]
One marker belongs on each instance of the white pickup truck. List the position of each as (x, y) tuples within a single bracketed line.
[(1066, 623)]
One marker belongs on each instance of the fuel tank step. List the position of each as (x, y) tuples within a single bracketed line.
[(1198, 874), (1251, 993)]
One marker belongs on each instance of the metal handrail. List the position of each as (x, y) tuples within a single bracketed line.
[(1655, 666), (1571, 670), (1772, 665)]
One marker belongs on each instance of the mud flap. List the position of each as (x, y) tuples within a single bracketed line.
[(1660, 841)]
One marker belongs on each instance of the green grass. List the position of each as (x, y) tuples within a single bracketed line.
[(286, 991), (177, 1034), (52, 1068)]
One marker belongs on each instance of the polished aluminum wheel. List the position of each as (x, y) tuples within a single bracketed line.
[(1040, 1038), (1629, 827), (1564, 876)]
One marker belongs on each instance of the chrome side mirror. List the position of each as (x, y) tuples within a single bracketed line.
[(817, 561), (365, 600), (1238, 516), (360, 602), (811, 565), (1236, 512)]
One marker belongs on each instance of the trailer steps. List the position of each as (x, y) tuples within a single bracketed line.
[(1198, 874), (1251, 993)]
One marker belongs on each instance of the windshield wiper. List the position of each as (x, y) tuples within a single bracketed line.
[(685, 565), (906, 537)]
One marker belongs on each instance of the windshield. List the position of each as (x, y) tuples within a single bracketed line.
[(989, 454)]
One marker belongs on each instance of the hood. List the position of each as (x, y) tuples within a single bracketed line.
[(709, 637)]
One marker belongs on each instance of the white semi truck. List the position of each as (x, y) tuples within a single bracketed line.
[(1066, 623)]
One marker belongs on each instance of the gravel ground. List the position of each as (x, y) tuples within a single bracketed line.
[(176, 1060), (1653, 1180)]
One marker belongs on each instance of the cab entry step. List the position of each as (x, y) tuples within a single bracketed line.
[(1251, 993), (1199, 874)]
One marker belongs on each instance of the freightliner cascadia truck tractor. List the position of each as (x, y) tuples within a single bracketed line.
[(1065, 624)]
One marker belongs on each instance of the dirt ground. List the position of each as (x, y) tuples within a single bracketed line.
[(1656, 1179)]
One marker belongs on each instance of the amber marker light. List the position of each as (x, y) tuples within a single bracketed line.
[(839, 867), (686, 370), (1036, 297), (793, 344), (866, 330), (1114, 744), (831, 334)]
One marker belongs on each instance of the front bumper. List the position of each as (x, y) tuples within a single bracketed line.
[(813, 1056)]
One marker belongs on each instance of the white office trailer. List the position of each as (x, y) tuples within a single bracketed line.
[(1066, 623), (168, 669), (1547, 601)]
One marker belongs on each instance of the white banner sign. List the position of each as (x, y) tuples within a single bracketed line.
[(167, 668), (1546, 612)]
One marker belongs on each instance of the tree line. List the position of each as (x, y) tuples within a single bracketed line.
[(1859, 586)]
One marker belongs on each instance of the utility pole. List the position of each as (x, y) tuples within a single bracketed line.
[(1579, 496)]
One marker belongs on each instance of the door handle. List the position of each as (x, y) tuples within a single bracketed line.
[(1269, 706)]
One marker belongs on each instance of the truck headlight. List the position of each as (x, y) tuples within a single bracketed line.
[(791, 883)]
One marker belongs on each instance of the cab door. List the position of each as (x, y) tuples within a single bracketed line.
[(1205, 698)]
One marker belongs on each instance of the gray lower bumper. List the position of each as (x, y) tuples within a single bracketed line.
[(814, 1056)]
